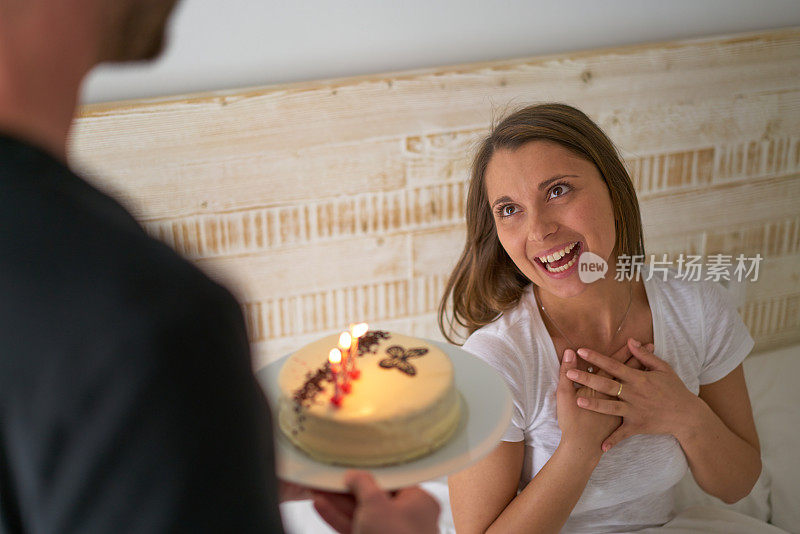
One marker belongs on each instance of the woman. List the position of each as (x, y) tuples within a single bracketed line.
[(548, 186)]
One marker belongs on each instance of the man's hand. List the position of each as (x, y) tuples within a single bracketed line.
[(371, 510), (289, 491)]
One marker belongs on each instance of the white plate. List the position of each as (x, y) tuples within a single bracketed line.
[(485, 417)]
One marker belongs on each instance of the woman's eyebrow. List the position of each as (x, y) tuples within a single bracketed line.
[(504, 198), (543, 185)]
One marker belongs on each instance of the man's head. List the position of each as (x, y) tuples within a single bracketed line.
[(134, 29), (48, 46), (119, 30)]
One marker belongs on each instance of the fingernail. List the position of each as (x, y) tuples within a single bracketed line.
[(569, 356), (582, 402), (583, 352), (637, 343), (572, 374), (606, 447)]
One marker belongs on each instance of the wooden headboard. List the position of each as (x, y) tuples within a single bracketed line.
[(333, 201)]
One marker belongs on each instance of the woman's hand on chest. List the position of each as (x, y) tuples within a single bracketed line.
[(650, 401)]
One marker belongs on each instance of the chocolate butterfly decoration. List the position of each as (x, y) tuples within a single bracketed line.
[(398, 357)]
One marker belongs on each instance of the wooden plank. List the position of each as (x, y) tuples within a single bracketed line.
[(435, 252), (297, 271)]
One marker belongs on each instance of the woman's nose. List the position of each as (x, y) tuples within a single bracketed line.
[(540, 228)]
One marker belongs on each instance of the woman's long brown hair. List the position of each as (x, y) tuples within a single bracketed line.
[(485, 282)]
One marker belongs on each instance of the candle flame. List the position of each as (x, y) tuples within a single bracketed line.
[(335, 356), (359, 329), (344, 341)]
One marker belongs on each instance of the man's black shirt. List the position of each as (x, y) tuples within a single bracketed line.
[(127, 401)]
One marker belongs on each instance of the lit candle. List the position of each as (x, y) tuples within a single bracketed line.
[(335, 358), (347, 357), (356, 331)]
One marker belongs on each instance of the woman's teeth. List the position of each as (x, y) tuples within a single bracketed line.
[(564, 267), (557, 255)]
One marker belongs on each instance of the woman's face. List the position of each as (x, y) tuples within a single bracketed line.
[(546, 201)]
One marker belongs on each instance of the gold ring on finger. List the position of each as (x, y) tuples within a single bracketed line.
[(619, 392)]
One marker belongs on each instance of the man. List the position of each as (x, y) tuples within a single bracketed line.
[(126, 397)]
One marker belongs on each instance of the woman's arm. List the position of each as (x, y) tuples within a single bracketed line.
[(715, 430), (722, 434), (481, 492), (483, 497)]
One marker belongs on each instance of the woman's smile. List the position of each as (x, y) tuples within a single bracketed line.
[(561, 263)]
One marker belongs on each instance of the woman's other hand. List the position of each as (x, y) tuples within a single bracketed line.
[(623, 355), (581, 428), (650, 401)]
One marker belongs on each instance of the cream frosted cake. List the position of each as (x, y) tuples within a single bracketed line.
[(402, 405)]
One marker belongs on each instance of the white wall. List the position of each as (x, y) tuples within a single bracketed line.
[(226, 44)]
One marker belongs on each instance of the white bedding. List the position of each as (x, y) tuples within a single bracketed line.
[(711, 519), (772, 382)]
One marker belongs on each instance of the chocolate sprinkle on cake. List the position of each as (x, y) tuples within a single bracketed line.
[(368, 343), (312, 386)]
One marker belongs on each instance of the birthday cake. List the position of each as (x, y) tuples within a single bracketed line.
[(402, 403)]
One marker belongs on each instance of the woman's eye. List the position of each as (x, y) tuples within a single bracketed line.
[(507, 210), (558, 190)]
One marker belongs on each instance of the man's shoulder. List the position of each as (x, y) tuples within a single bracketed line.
[(66, 248), (46, 207)]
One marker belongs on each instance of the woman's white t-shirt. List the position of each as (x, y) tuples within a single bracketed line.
[(696, 329)]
